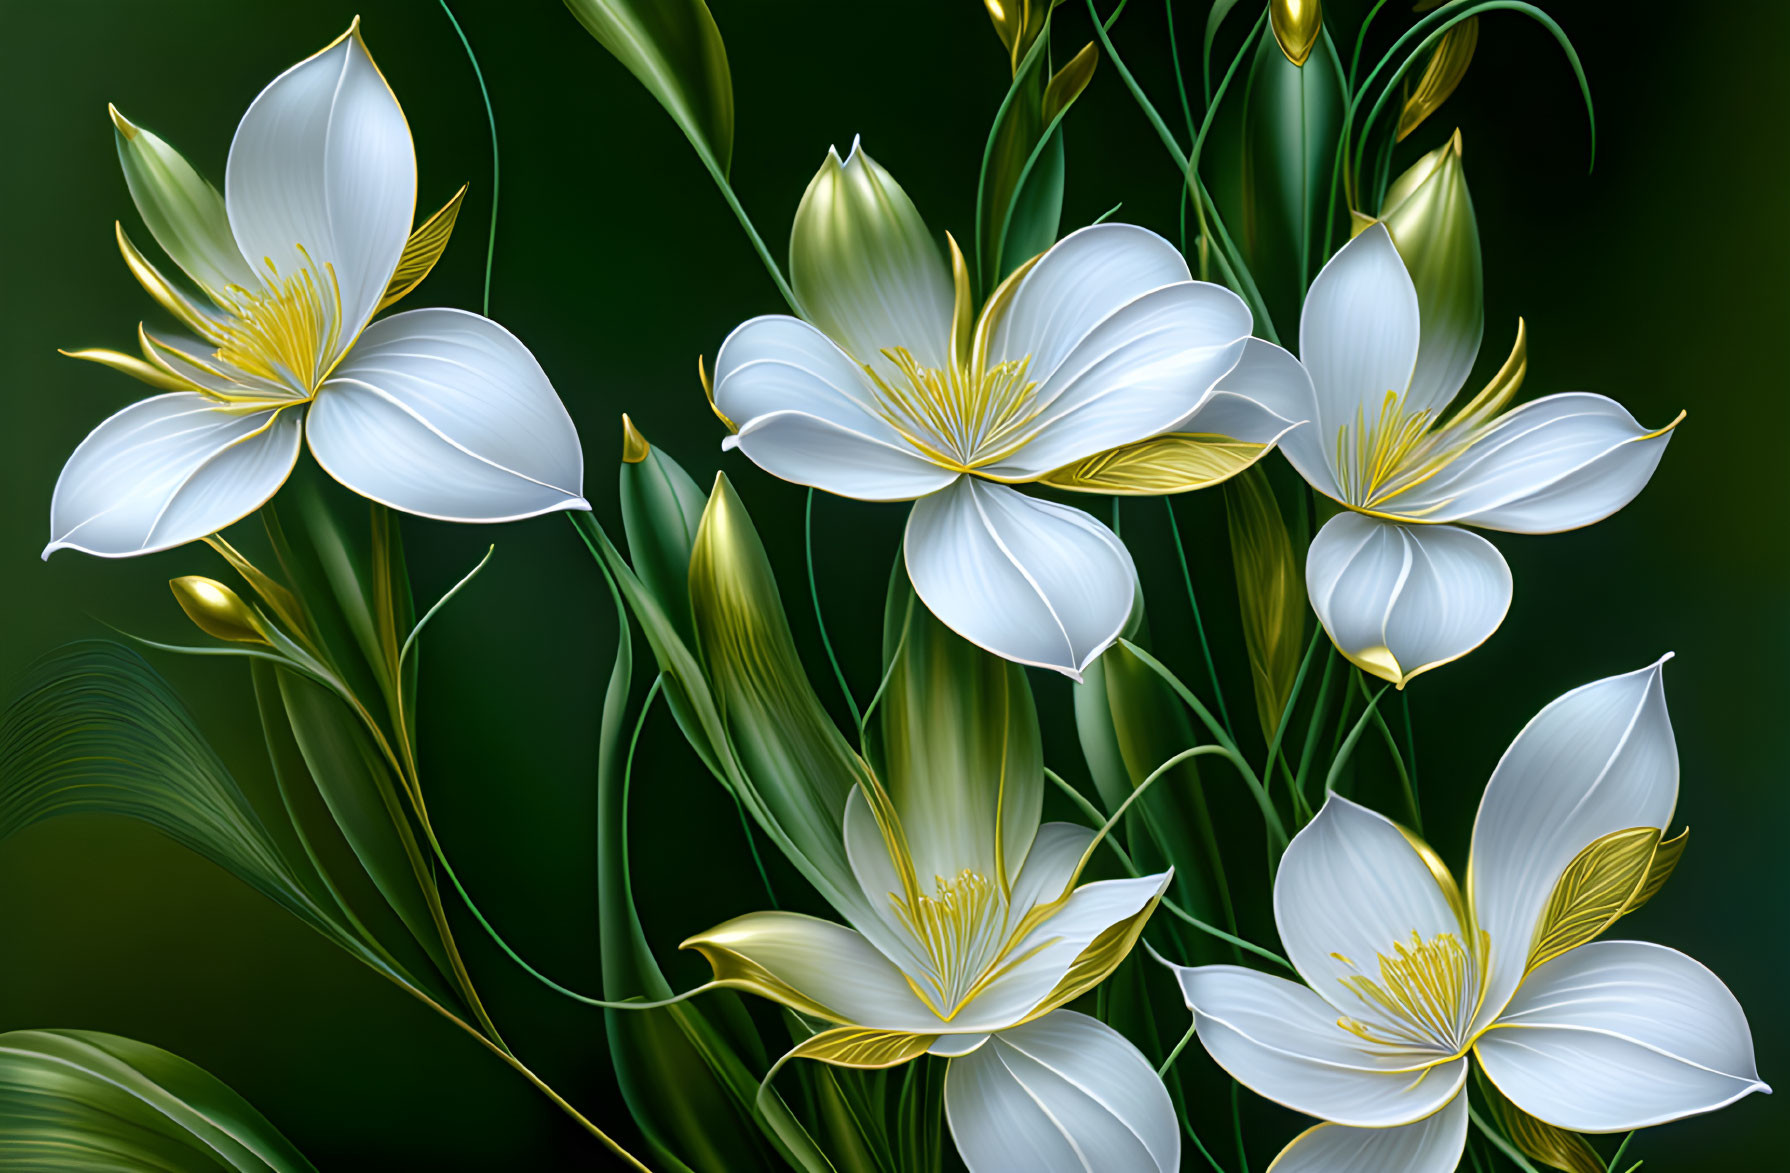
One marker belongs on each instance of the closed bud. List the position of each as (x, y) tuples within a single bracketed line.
[(1430, 216), (1296, 24), (1018, 23), (216, 610), (661, 509)]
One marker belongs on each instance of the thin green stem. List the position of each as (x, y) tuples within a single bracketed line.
[(758, 245), (1199, 625), (1610, 1166), (1176, 1053), (1397, 755), (1315, 726), (820, 620), (1237, 1129), (1347, 748), (1410, 747), (491, 120), (1092, 814)]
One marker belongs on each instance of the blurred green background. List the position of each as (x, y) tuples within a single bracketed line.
[(1657, 279)]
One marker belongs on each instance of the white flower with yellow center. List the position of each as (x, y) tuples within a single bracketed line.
[(1407, 975), (969, 930), (436, 412), (895, 389), (1400, 587)]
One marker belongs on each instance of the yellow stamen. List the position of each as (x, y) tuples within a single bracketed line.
[(960, 416), (289, 331), (1426, 994), (957, 927)]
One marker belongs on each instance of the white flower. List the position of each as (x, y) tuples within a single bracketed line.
[(436, 412), (1399, 587), (899, 391), (969, 932), (1407, 975)]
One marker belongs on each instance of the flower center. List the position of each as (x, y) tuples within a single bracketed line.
[(957, 928), (1378, 458), (960, 416), (1425, 995), (287, 332)]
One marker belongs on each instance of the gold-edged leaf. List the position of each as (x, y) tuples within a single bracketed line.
[(1174, 463), (422, 250), (861, 1047), (673, 48), (1665, 860), (1598, 886), (1270, 590), (1069, 82), (1539, 1140), (1446, 67)]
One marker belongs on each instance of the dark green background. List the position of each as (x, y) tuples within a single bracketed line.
[(1658, 280)]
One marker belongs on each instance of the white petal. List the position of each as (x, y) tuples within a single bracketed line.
[(1431, 1145), (865, 268), (1617, 1035), (1358, 332), (1028, 580), (1351, 888), (1402, 599), (779, 363), (825, 963), (880, 879), (1281, 1041), (1082, 280), (446, 414), (1064, 1094), (1554, 464), (1139, 370), (1276, 380), (809, 450), (323, 160), (1225, 413), (169, 470), (1051, 863), (1602, 758), (1053, 946)]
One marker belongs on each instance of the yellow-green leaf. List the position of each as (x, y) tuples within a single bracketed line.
[(1599, 885), (1069, 82), (1175, 463), (1446, 67), (1665, 861), (183, 210), (861, 1047), (422, 250), (1539, 1140), (80, 1100), (1270, 590), (673, 48)]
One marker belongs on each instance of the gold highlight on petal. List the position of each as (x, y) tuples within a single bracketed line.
[(1297, 24), (217, 610), (1446, 67)]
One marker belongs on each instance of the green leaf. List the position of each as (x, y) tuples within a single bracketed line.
[(1130, 722), (673, 48), (661, 510), (355, 783), (79, 1100), (795, 768), (1291, 119), (1270, 592), (685, 1082), (95, 730)]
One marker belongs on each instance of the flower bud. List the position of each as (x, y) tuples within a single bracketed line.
[(1430, 216), (1296, 24), (216, 610)]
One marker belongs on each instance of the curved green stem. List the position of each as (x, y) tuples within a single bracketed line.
[(491, 120), (820, 620)]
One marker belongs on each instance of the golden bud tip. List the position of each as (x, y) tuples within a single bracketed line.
[(125, 126), (1455, 142), (216, 610), (634, 446), (1296, 24)]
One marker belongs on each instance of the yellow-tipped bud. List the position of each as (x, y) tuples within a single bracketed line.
[(1447, 66), (1018, 23), (634, 446), (1296, 24), (216, 610)]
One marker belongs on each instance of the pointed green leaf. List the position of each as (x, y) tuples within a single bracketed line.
[(79, 1100), (673, 48), (661, 510), (1270, 590), (183, 210)]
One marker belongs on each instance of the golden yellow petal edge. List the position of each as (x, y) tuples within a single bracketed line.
[(864, 1048), (1178, 462), (1599, 885)]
